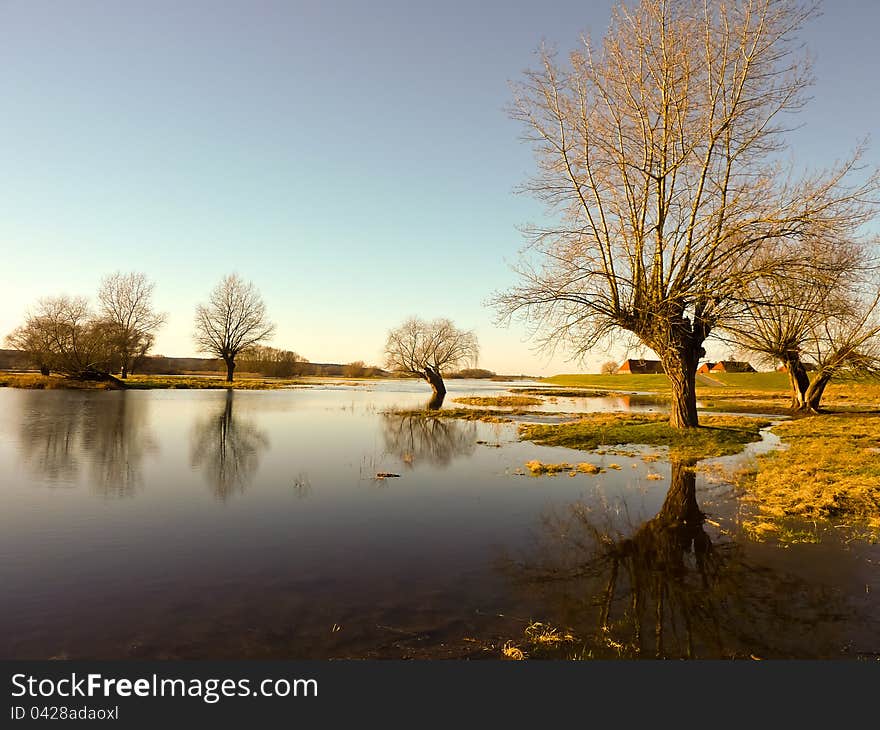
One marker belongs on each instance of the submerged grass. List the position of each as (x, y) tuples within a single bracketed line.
[(501, 401), (539, 468), (466, 414), (830, 471), (566, 392), (717, 436)]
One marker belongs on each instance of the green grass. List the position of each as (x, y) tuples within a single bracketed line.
[(718, 436), (611, 382), (751, 381), (747, 381)]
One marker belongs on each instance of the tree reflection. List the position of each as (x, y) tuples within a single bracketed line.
[(667, 591), (118, 437), (108, 432), (428, 439), (227, 449)]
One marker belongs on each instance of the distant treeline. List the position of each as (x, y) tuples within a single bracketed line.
[(477, 373), (265, 361)]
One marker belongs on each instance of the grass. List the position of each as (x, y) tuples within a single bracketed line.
[(35, 381), (541, 640), (539, 468), (466, 414), (565, 392), (830, 472), (140, 382), (147, 382), (611, 382), (718, 436), (761, 382), (502, 401)]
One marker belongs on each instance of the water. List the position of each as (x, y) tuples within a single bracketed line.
[(209, 524)]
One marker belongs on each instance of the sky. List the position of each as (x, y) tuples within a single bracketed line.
[(355, 160)]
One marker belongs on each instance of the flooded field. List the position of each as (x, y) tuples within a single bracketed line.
[(253, 524)]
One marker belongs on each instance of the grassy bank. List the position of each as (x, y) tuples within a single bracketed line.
[(718, 436), (147, 382), (35, 381), (830, 471), (140, 382)]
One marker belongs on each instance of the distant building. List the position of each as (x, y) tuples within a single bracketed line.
[(641, 367), (808, 367), (706, 367), (731, 366)]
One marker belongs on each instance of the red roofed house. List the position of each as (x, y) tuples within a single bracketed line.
[(641, 367), (732, 366)]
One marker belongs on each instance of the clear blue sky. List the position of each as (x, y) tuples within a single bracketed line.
[(353, 159)]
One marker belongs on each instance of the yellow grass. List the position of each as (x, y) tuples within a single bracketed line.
[(830, 471), (35, 381), (503, 401)]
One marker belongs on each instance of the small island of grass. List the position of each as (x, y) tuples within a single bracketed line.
[(718, 436), (501, 401)]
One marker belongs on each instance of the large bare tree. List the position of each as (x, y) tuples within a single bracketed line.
[(659, 152), (126, 306), (233, 320), (63, 333), (426, 349)]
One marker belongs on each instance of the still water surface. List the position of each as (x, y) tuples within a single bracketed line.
[(213, 524)]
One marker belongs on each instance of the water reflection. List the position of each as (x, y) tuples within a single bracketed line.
[(429, 440), (109, 433), (227, 449), (667, 591)]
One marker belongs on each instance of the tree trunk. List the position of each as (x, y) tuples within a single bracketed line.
[(813, 396), (681, 369), (799, 380), (124, 373), (44, 370), (436, 381), (230, 368), (436, 401)]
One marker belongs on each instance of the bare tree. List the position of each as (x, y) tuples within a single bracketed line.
[(64, 334), (33, 339), (425, 349), (824, 320), (233, 320), (609, 368), (127, 308), (660, 153), (845, 345)]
